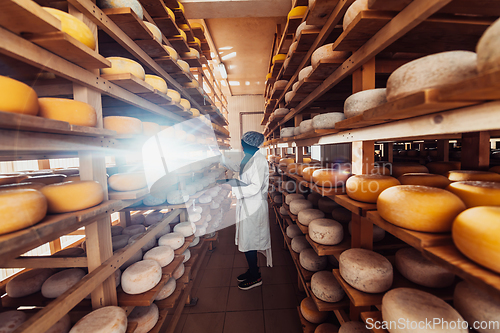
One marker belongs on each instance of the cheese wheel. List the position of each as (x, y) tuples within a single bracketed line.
[(367, 188), (420, 208), (472, 175), (124, 66), (290, 52), (119, 241), (172, 17), (63, 325), (28, 282), (185, 228), (167, 290), (10, 320), (179, 272), (281, 111), (304, 27), (149, 245), (306, 126), (326, 327), (175, 240), (442, 168), (424, 179), (280, 84), (20, 209), (353, 327), (153, 218), (154, 30), (324, 286), (108, 319), (72, 196), (287, 132), (134, 230), (307, 173), (146, 317), (283, 211), (475, 305), (413, 266), (182, 35), (174, 95), (305, 72), (330, 177), (177, 197), (353, 11), (74, 27), (399, 169), (278, 57), (157, 82), (298, 11), (479, 241), (301, 167), (195, 112), (314, 198), (300, 204), (378, 233), (296, 131), (381, 169), (366, 270), (185, 103), (487, 56), (162, 232), (278, 199), (123, 125), (132, 260), (57, 284), (416, 306), (289, 186), (342, 215), (17, 97), (361, 101), (430, 72), (327, 120), (116, 230), (187, 255), (68, 110), (325, 53), (154, 200), (286, 161), (288, 96), (183, 65), (289, 198), (293, 231), (291, 168), (164, 255), (476, 193), (311, 261), (311, 313), (307, 215), (140, 277), (326, 231), (195, 242), (299, 243), (193, 53)]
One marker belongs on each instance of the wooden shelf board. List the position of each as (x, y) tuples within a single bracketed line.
[(276, 93), (162, 316), (156, 97), (128, 195), (306, 39), (145, 299), (168, 64), (128, 21), (170, 268), (182, 77), (290, 28), (167, 27), (152, 47), (129, 82), (27, 17), (158, 207), (169, 302), (481, 88), (306, 86), (372, 317), (356, 207), (179, 44), (192, 61), (320, 11), (419, 240), (131, 327), (277, 67), (37, 300), (327, 250), (328, 306), (325, 68)]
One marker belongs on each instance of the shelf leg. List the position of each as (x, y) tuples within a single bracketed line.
[(364, 77), (362, 233), (55, 245), (363, 157), (475, 151), (355, 311), (443, 148), (125, 219)]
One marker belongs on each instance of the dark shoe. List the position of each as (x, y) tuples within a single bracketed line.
[(249, 284), (243, 277)]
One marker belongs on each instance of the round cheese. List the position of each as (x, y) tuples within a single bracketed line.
[(167, 290), (116, 230), (304, 27), (195, 112), (171, 52), (420, 208), (415, 306), (475, 305), (164, 255), (366, 270), (193, 53), (17, 97), (287, 132), (378, 233), (305, 72), (177, 197), (149, 245), (290, 186), (361, 101), (476, 193), (278, 199), (286, 161), (179, 272), (157, 82), (298, 11), (487, 56), (278, 57), (325, 53), (187, 255), (175, 240), (185, 228), (307, 215), (471, 175), (119, 241), (283, 211), (307, 173), (479, 241), (154, 200), (280, 84), (330, 177), (442, 168), (381, 169), (430, 72), (324, 286), (184, 66), (124, 66), (174, 95), (194, 218), (72, 196), (298, 205), (10, 320), (326, 232), (140, 277), (413, 266), (399, 169), (74, 27), (57, 284), (132, 4), (146, 317), (108, 319), (311, 261), (28, 282), (132, 260), (296, 131), (367, 188), (289, 198), (134, 230), (314, 197), (311, 313), (195, 242), (123, 125), (185, 104), (63, 325), (299, 243), (306, 126), (326, 327), (327, 120), (20, 209), (281, 111), (68, 110), (353, 11), (153, 218), (424, 179), (342, 215), (353, 327), (293, 231)]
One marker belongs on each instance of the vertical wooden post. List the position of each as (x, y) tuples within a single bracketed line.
[(476, 151), (125, 219), (364, 77), (361, 232), (443, 150), (43, 164), (362, 157), (55, 245), (389, 151)]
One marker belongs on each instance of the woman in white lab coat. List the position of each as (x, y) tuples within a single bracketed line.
[(252, 213)]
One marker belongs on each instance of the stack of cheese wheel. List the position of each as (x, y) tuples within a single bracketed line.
[(74, 27), (424, 179), (17, 97), (327, 120), (420, 208), (366, 270), (140, 277), (399, 169), (311, 261), (324, 286), (124, 66), (330, 177), (367, 188), (68, 110), (472, 175), (112, 319), (442, 168), (361, 101), (31, 203), (307, 215), (123, 125), (311, 313), (127, 181), (325, 53), (353, 11), (146, 317), (326, 231), (476, 193), (72, 196)]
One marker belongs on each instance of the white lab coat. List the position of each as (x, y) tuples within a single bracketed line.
[(252, 212)]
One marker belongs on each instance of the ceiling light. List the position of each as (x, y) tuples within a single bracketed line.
[(225, 48), (229, 56), (222, 70), (234, 83), (247, 83), (223, 82)]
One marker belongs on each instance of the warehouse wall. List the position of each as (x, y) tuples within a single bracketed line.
[(244, 103)]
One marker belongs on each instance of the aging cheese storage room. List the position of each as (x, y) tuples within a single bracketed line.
[(349, 147)]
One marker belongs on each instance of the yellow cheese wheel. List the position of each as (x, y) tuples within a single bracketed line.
[(73, 196), (291, 168), (123, 125), (298, 11), (399, 169), (367, 188), (72, 178), (477, 193), (475, 233), (269, 75), (171, 52), (420, 208), (185, 103), (310, 311), (424, 179), (68, 110), (442, 168), (121, 65), (279, 57), (192, 53), (301, 167), (307, 173), (157, 82), (198, 26), (464, 175), (330, 177), (20, 209), (170, 13), (174, 95), (184, 65), (183, 27), (306, 160), (127, 181), (381, 169), (20, 186), (74, 27), (149, 128), (197, 41), (193, 84), (286, 161), (181, 6), (182, 34), (17, 97), (195, 112)]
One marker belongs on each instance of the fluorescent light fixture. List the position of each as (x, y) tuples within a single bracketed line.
[(225, 48), (222, 70), (234, 83), (223, 82), (247, 83), (229, 56)]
